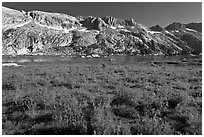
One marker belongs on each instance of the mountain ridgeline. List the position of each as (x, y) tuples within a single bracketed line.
[(43, 33)]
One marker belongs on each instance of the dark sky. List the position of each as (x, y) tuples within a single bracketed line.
[(147, 13)]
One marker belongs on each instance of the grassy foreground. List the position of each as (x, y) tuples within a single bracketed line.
[(142, 98)]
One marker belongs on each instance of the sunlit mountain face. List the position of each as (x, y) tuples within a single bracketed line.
[(38, 32)]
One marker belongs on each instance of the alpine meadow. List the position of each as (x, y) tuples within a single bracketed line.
[(87, 75)]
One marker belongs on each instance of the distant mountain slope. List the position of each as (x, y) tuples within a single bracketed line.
[(175, 26), (194, 26), (188, 34), (38, 32)]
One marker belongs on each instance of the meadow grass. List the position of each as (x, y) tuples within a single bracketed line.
[(102, 99)]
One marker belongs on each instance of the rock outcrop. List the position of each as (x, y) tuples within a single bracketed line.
[(131, 22), (93, 23), (112, 21)]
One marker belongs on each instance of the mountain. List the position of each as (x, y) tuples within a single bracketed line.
[(38, 32), (188, 33)]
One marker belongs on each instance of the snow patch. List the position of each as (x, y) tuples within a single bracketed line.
[(175, 31), (159, 53), (40, 60), (10, 64), (23, 60), (20, 25), (153, 32), (169, 33), (166, 31), (112, 27), (178, 47), (125, 30), (192, 55), (119, 26), (95, 55), (68, 30), (84, 30), (190, 30), (138, 39), (89, 56)]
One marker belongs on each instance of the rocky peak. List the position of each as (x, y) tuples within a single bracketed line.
[(156, 28), (131, 22), (112, 21), (175, 26), (93, 23)]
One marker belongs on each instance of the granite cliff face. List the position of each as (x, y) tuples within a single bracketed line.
[(37, 32)]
